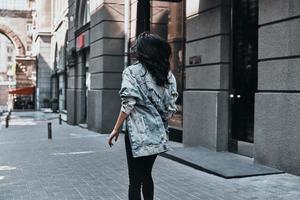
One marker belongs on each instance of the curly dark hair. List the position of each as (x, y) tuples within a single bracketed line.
[(154, 52)]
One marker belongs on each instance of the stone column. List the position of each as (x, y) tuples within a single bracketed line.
[(106, 64), (205, 98), (43, 49), (277, 104), (71, 68)]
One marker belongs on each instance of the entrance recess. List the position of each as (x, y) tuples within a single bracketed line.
[(87, 79), (244, 72)]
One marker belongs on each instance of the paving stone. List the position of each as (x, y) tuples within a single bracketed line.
[(78, 165)]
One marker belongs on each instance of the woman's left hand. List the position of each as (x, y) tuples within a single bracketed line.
[(113, 135)]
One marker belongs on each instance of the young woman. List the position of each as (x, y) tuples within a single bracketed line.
[(148, 93)]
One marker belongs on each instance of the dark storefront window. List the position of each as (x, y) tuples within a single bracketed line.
[(244, 73), (143, 17)]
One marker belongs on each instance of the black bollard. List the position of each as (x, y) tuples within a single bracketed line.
[(49, 131), (6, 121), (9, 113), (59, 119)]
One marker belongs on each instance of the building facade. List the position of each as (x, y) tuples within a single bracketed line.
[(95, 62), (236, 64), (58, 53), (243, 94), (42, 26)]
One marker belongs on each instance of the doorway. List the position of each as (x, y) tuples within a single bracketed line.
[(87, 84), (244, 75)]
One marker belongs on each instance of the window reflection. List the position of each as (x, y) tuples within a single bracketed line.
[(175, 38), (84, 10)]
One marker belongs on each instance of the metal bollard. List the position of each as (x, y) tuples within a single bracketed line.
[(49, 131), (7, 121), (9, 113), (59, 119)]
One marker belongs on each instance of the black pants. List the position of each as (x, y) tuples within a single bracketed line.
[(139, 170)]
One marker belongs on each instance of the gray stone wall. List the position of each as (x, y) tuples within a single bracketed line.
[(277, 111), (205, 105)]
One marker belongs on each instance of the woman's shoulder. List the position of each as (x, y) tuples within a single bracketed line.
[(134, 69)]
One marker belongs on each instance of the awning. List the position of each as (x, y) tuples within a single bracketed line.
[(23, 91)]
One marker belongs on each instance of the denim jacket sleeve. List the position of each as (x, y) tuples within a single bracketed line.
[(129, 92), (172, 108)]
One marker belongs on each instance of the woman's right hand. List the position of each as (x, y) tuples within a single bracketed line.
[(113, 135)]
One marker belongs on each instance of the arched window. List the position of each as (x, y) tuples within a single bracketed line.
[(84, 12)]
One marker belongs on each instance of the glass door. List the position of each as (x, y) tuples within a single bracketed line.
[(244, 70)]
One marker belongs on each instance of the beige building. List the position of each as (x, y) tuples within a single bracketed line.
[(16, 24), (7, 73)]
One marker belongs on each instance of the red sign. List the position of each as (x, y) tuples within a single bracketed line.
[(80, 41), (23, 91)]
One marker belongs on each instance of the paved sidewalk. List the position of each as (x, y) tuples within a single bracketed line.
[(77, 164)]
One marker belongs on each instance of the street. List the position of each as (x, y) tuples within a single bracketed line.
[(78, 164)]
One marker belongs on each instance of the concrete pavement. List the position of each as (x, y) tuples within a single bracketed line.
[(77, 164)]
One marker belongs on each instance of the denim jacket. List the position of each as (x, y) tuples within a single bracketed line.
[(149, 107)]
